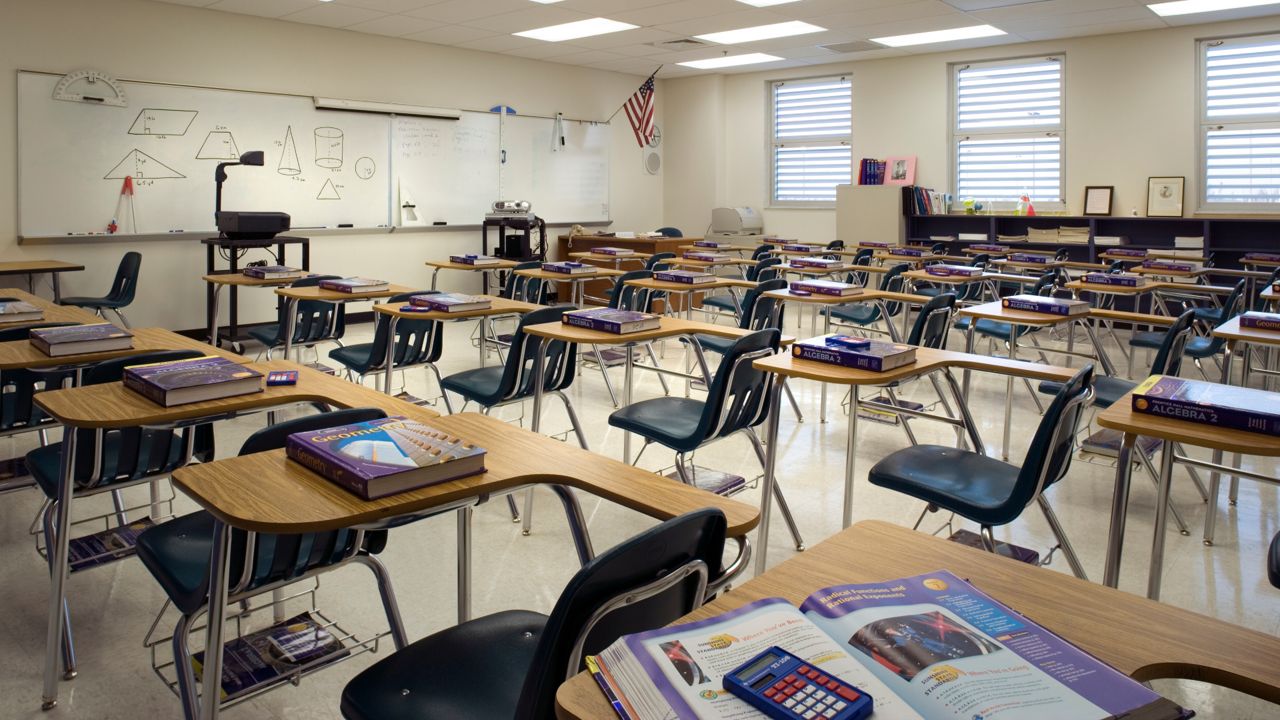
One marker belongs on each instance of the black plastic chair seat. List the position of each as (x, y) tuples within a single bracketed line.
[(671, 421), (1148, 339), (715, 343), (1106, 390), (975, 486), (481, 385), (268, 335), (720, 302), (357, 358), (177, 553), (1208, 315), (45, 463), (462, 672), (1273, 561), (997, 329), (1202, 347), (94, 302), (931, 290), (859, 314)]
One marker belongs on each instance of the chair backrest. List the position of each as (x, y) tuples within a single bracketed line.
[(980, 260), (1049, 456), (738, 397), (931, 325), (1230, 308), (758, 311), (640, 584), (126, 281), (760, 271), (658, 261), (893, 281), (20, 385), (670, 232), (834, 245), (938, 249), (1116, 267), (314, 321), (139, 452), (561, 357), (1045, 284), (863, 259), (762, 250), (1061, 255), (627, 297), (1258, 302), (526, 289), (417, 341), (1168, 359)]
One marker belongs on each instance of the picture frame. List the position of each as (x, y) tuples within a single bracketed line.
[(1097, 199), (1165, 196), (900, 170)]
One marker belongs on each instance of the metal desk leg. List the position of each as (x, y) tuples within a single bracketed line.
[(1162, 520), (464, 563), (850, 455), (770, 466), (1008, 393), (628, 370), (1119, 511), (968, 347), (1215, 478), (389, 361), (822, 409), (57, 288), (58, 571), (219, 567), (213, 315), (435, 273), (290, 319)]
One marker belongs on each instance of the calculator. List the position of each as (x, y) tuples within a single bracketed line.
[(282, 377), (782, 686)]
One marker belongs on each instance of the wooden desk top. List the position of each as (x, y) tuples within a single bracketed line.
[(889, 256), (242, 280), (997, 311), (1121, 416), (677, 287), (53, 313), (1131, 317), (722, 248), (111, 405), (813, 250), (865, 296), (924, 276), (624, 242), (1231, 330), (1076, 265), (22, 354), (333, 296), (636, 256), (595, 274), (927, 360), (671, 327), (24, 267), (974, 251), (1260, 263), (833, 270), (1004, 262), (695, 263), (1269, 294), (1143, 639), (498, 306), (267, 492), (502, 264), (1228, 272), (1082, 286), (1163, 272)]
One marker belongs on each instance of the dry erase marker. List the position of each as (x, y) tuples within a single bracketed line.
[(345, 225)]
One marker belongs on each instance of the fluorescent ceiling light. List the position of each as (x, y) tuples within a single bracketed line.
[(938, 36), (546, 2), (764, 3), (579, 29), (730, 61), (761, 32), (1189, 7)]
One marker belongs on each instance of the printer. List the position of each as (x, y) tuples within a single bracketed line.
[(739, 222)]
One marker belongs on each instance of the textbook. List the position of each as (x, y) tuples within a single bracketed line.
[(383, 457), (619, 322), (855, 352), (1047, 305), (906, 251), (355, 285), (797, 247), (273, 272), (451, 302), (1260, 320), (1127, 252), (713, 244), (684, 277), (705, 256), (1168, 265), (179, 382), (13, 311), (825, 287), (569, 268), (1262, 257), (871, 244), (1116, 279), (80, 339), (1029, 258), (816, 262), (927, 647), (613, 251), (1226, 406), (274, 652), (942, 270), (474, 259)]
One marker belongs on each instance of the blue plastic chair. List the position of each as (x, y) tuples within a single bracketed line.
[(670, 232), (123, 289), (18, 412), (418, 343), (314, 322), (1000, 330), (1199, 347), (866, 314), (728, 302), (627, 297)]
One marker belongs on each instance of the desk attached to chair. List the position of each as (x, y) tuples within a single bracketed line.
[(314, 293), (53, 312)]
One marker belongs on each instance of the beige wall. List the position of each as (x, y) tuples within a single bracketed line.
[(136, 39), (1130, 114)]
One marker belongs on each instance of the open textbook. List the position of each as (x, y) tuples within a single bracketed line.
[(925, 648)]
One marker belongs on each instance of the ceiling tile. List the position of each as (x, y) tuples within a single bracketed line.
[(586, 57), (449, 34), (642, 35), (1222, 15), (725, 21), (1080, 19), (534, 16), (1050, 9), (922, 15), (503, 42), (457, 11), (394, 25), (674, 12), (263, 8), (1054, 33), (390, 6), (330, 15)]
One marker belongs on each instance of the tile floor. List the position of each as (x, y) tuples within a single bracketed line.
[(114, 606)]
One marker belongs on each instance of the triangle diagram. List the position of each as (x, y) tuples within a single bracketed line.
[(289, 162), (329, 192), (141, 166), (218, 145)]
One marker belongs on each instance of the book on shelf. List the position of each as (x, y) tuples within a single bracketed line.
[(274, 653), (179, 382), (825, 287), (1046, 305), (925, 201), (613, 251), (1107, 442), (710, 257), (1206, 403), (1109, 240), (383, 457), (355, 285), (1259, 320), (106, 546), (855, 352), (684, 277), (871, 171), (877, 409), (977, 237), (565, 267), (80, 339), (477, 260), (273, 272), (1127, 252), (12, 311), (712, 244), (926, 647), (1010, 238), (451, 302), (944, 270), (816, 262), (1042, 234), (1262, 257), (618, 322), (1189, 243), (1036, 258), (1115, 279), (942, 238)]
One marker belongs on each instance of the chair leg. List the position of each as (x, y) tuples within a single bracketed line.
[(1072, 559), (123, 320), (1155, 479), (183, 668), (573, 420), (906, 427), (683, 471), (1195, 475), (795, 406), (653, 357), (440, 384), (388, 595), (604, 372), (527, 520), (988, 538), (777, 493), (68, 643), (515, 509)]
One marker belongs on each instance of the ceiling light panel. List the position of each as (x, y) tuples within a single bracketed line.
[(574, 30), (1190, 7), (766, 3), (940, 36), (730, 61), (761, 32)]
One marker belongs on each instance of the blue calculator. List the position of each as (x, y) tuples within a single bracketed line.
[(782, 686)]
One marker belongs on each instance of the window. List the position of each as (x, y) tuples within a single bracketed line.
[(810, 153), (1240, 123), (1008, 129)]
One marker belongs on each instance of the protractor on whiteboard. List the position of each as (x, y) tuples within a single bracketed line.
[(90, 86)]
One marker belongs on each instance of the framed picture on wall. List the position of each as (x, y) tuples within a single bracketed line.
[(1164, 196), (900, 171), (1097, 199)]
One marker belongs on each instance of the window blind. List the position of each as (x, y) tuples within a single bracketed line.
[(1241, 116), (810, 145)]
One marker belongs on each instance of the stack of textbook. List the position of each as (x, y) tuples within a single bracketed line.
[(1127, 252), (80, 339), (1170, 265), (928, 647), (1035, 258), (15, 311), (799, 247), (179, 382), (855, 352), (906, 251), (1263, 257), (712, 244), (684, 277), (273, 272), (943, 270), (1225, 406), (355, 285), (710, 257), (618, 322), (1115, 279), (476, 260), (451, 302), (820, 263), (569, 268), (1046, 305), (825, 287), (613, 251)]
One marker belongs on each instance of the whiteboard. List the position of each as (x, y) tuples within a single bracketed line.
[(448, 169), (567, 185), (324, 168)]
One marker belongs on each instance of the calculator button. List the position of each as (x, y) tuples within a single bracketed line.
[(812, 674), (847, 694), (789, 691), (823, 680), (778, 698), (803, 669), (810, 715), (840, 705), (779, 685), (829, 714), (820, 695), (797, 683), (790, 702), (770, 693), (790, 678)]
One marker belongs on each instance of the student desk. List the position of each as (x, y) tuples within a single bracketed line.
[(1170, 274), (1040, 268), (30, 268), (928, 361), (684, 291), (1142, 639), (617, 260), (989, 280), (888, 256), (577, 282), (652, 245), (53, 313), (497, 306), (485, 269), (293, 295), (727, 247), (235, 280), (1270, 296), (994, 253)]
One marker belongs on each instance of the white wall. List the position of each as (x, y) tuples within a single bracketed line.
[(137, 39), (1130, 114)]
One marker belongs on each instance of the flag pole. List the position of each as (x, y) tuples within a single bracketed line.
[(624, 102)]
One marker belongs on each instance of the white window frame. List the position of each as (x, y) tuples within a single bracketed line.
[(955, 134), (1204, 124), (772, 143)]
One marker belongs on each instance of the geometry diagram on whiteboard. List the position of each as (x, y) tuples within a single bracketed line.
[(158, 121), (218, 145), (329, 147), (365, 168), (329, 191), (141, 166), (289, 162)]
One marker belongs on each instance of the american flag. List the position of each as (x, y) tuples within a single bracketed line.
[(640, 112)]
